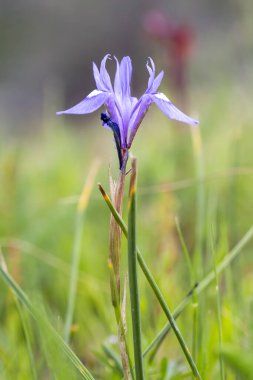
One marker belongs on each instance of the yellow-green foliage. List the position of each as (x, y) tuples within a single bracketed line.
[(41, 178)]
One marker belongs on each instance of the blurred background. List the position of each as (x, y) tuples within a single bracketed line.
[(47, 47), (201, 176)]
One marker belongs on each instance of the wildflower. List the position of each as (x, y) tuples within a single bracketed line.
[(125, 112)]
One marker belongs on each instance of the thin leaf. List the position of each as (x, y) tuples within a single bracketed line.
[(201, 286), (133, 276), (22, 297), (218, 306), (125, 356), (25, 326), (154, 286), (82, 204)]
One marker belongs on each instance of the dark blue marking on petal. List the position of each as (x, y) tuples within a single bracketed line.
[(117, 136)]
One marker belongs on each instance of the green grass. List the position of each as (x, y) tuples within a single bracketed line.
[(41, 177)]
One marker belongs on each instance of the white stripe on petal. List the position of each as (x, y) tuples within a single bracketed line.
[(170, 110), (161, 96), (90, 104), (94, 93)]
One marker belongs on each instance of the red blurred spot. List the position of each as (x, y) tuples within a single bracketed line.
[(177, 42)]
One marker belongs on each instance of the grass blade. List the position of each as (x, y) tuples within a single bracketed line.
[(127, 367), (25, 326), (154, 286), (218, 306), (200, 171), (200, 287), (24, 300), (194, 297), (133, 276), (82, 204)]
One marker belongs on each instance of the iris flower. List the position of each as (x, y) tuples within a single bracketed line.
[(125, 112)]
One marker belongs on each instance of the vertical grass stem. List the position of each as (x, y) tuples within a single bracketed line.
[(198, 288), (218, 305), (153, 285), (133, 276), (82, 204)]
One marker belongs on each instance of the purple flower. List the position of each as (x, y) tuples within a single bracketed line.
[(124, 110)]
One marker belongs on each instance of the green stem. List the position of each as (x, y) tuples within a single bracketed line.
[(44, 323), (24, 323), (198, 288), (200, 171), (193, 280), (133, 277), (27, 338), (218, 305), (73, 276), (75, 260), (154, 286), (169, 316), (201, 286), (120, 323)]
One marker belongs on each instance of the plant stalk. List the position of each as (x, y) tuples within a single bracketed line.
[(133, 276), (154, 286)]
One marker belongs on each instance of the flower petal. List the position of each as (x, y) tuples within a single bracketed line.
[(157, 82), (114, 111), (90, 104), (171, 111), (125, 75), (153, 83), (139, 111), (117, 83), (99, 83), (151, 72), (104, 76)]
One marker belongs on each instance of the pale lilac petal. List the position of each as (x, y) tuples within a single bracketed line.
[(151, 72), (157, 82), (152, 63), (153, 83), (99, 83), (126, 111), (90, 104), (104, 76), (125, 75), (138, 113), (114, 111), (171, 111), (117, 83)]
